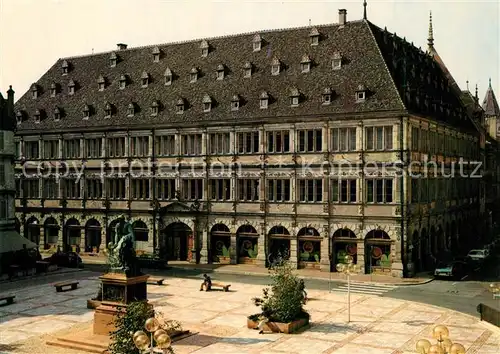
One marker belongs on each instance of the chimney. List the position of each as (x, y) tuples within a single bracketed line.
[(342, 17), (121, 46)]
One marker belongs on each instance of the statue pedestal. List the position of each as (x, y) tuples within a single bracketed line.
[(118, 290)]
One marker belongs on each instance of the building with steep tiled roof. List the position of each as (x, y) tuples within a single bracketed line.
[(237, 148), (492, 112)]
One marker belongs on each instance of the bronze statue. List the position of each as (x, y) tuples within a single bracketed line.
[(122, 251)]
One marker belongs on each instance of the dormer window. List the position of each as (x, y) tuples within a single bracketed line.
[(37, 116), (180, 106), (327, 96), (145, 79), (108, 110), (247, 70), (57, 114), (235, 103), (294, 97), (19, 117), (154, 108), (130, 110), (53, 89), (305, 64), (156, 54), (207, 103), (257, 43), (113, 59), (123, 82), (71, 87), (361, 94), (193, 75), (86, 112), (264, 100), (65, 67), (314, 35), (34, 91), (275, 66), (204, 48), (337, 61), (101, 83), (168, 77), (220, 72)]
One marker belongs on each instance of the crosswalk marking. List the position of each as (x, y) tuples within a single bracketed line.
[(365, 288)]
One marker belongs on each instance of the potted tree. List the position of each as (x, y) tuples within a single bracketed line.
[(282, 303)]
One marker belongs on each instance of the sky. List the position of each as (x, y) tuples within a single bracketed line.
[(35, 33)]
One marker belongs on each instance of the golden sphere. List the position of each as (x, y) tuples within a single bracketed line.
[(152, 325), (138, 333), (440, 332), (457, 349), (142, 341), (164, 341), (341, 267), (447, 343), (348, 259), (158, 333), (436, 349), (423, 346)]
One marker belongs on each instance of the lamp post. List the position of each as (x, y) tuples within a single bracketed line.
[(348, 268), (444, 344), (145, 343)]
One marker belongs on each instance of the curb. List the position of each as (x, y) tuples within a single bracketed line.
[(36, 276), (232, 272)]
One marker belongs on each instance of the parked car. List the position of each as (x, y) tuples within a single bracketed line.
[(68, 259), (478, 255), (453, 269)]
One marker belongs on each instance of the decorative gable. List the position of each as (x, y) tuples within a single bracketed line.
[(204, 46), (314, 36), (257, 42)]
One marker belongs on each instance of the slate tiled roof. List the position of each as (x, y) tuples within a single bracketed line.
[(490, 103), (366, 61)]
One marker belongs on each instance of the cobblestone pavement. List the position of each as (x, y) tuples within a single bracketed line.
[(378, 325)]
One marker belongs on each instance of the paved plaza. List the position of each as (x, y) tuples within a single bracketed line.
[(379, 325)]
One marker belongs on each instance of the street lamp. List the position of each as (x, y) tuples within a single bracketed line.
[(145, 343), (348, 268), (444, 344)]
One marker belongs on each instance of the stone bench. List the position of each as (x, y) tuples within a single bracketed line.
[(59, 286), (9, 299), (224, 287)]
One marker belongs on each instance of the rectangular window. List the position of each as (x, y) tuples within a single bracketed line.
[(32, 150), (278, 190), (248, 142), (50, 188), (191, 144), (165, 145), (310, 140), (310, 190), (93, 188), (71, 188), (115, 188), (344, 190), (278, 141), (379, 138), (2, 174), (379, 191), (3, 208), (116, 147), (220, 189), (93, 148), (18, 149), (219, 143), (139, 146), (248, 189), (344, 139), (51, 149), (415, 190), (165, 189), (192, 189), (31, 188), (415, 138), (139, 189), (72, 149)]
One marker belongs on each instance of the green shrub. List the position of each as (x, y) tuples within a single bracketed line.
[(283, 301), (133, 320)]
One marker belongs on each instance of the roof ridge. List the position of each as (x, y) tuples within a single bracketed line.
[(211, 38)]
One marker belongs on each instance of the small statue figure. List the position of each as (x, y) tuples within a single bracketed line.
[(122, 251)]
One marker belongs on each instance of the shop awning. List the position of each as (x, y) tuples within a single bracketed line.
[(11, 241)]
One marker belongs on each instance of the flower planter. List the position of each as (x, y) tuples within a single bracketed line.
[(224, 260), (247, 260), (279, 327), (309, 265)]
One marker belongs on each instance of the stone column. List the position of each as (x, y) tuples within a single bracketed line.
[(361, 256), (41, 240), (325, 254), (396, 262), (294, 251), (83, 237), (234, 250), (204, 247), (262, 246)]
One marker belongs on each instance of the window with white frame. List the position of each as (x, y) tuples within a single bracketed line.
[(310, 140), (379, 191), (165, 189), (248, 190), (220, 189), (248, 142), (108, 110), (379, 138), (72, 148), (192, 189), (278, 141), (139, 146), (51, 149), (219, 143), (93, 188), (278, 190), (116, 146), (71, 188), (93, 148), (168, 77), (257, 43), (123, 82), (343, 139), (165, 145), (115, 188), (139, 188), (310, 190), (32, 149), (247, 70), (191, 144), (344, 190)]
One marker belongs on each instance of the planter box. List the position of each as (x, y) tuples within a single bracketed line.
[(381, 270), (223, 260), (278, 327), (247, 260), (309, 265), (93, 304)]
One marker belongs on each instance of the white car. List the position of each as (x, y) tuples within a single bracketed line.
[(478, 255)]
